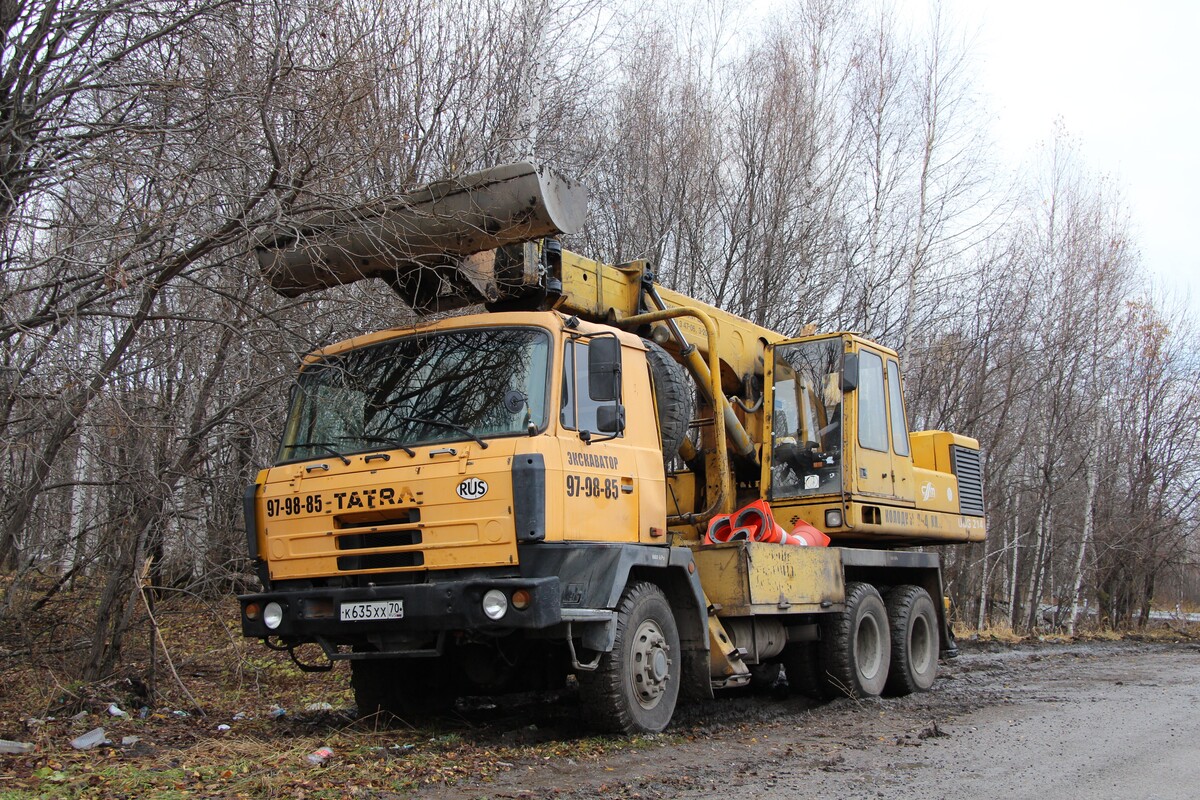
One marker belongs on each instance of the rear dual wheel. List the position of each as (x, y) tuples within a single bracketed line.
[(912, 618), (875, 645), (855, 651)]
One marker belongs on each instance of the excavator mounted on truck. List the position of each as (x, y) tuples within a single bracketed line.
[(590, 477)]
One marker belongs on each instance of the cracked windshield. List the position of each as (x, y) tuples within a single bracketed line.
[(417, 390)]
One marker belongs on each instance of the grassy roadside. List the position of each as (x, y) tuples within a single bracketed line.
[(233, 741), (1163, 632)]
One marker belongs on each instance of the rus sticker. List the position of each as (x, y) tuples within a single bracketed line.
[(472, 489)]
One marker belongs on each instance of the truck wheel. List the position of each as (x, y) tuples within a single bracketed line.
[(855, 647), (673, 397), (637, 683), (913, 620), (804, 675), (401, 687)]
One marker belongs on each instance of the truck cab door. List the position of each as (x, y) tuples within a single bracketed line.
[(604, 455), (803, 390)]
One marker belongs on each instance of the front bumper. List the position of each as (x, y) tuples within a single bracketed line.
[(429, 608)]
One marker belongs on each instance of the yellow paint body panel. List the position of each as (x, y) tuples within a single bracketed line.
[(788, 513), (909, 524), (634, 460), (681, 494), (601, 291), (931, 449), (306, 509), (936, 491), (384, 498), (747, 578)]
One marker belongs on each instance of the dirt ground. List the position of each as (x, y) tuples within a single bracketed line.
[(1094, 720)]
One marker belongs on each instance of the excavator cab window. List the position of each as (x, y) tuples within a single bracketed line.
[(872, 407), (807, 420), (896, 410)]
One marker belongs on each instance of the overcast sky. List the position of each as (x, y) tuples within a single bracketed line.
[(1124, 78)]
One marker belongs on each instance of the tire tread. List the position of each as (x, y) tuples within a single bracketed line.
[(603, 691), (900, 602), (673, 397), (836, 659)]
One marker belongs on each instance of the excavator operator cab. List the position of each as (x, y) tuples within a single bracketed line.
[(806, 424)]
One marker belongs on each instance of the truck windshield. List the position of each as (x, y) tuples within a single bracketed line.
[(420, 389), (807, 420)]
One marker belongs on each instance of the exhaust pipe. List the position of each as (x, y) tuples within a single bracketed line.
[(425, 242)]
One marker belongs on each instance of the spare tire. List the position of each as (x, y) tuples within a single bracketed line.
[(673, 397)]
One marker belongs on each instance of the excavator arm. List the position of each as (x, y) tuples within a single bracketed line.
[(487, 237)]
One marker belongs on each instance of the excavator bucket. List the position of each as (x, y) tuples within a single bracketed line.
[(433, 244)]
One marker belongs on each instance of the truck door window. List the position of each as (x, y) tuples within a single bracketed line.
[(578, 409), (896, 410), (872, 403)]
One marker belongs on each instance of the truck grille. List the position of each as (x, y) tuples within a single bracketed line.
[(966, 465), (380, 561), (369, 541), (379, 539)]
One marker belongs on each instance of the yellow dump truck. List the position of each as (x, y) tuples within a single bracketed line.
[(574, 481)]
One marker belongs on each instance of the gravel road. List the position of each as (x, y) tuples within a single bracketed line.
[(1098, 720)]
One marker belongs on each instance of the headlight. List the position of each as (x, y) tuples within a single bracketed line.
[(495, 604), (833, 518), (272, 615)]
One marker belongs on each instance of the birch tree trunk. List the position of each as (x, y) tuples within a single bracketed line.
[(1089, 523), (983, 590), (1014, 574)]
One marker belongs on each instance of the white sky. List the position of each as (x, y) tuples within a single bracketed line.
[(1124, 78)]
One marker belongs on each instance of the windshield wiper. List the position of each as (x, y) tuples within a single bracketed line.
[(451, 425), (387, 440), (325, 447)]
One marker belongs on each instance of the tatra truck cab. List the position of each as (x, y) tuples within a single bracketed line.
[(591, 477)]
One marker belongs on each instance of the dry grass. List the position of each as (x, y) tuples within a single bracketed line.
[(236, 683), (993, 633), (1157, 631)]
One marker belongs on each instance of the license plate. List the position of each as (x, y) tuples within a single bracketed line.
[(376, 609)]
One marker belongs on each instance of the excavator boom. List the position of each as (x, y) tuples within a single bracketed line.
[(422, 242)]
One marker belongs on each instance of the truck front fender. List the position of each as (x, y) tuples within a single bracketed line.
[(593, 576)]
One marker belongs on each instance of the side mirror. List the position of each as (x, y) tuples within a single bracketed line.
[(604, 369), (611, 419), (849, 372)]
